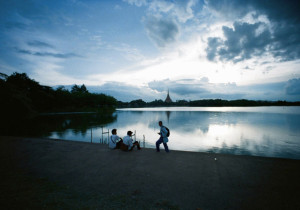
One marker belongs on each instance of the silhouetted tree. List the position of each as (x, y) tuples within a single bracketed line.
[(22, 95)]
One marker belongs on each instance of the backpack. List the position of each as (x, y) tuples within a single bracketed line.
[(168, 134)]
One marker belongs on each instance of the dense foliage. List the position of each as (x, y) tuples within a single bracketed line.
[(22, 97)]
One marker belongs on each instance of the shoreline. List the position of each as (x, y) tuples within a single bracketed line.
[(161, 147), (72, 174)]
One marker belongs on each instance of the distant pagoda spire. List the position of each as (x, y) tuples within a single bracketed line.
[(168, 99)]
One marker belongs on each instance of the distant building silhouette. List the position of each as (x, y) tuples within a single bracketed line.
[(168, 99)]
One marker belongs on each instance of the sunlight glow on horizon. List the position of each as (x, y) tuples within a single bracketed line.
[(145, 45)]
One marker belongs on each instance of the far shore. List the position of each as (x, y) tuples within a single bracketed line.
[(41, 173)]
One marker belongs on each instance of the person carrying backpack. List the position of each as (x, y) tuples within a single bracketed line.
[(115, 141), (164, 133)]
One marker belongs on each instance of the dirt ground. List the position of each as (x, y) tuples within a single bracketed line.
[(55, 174)]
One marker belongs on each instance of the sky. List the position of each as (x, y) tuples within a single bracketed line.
[(140, 49)]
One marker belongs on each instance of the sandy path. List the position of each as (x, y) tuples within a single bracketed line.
[(42, 173)]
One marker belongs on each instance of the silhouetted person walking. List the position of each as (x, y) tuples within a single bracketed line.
[(163, 137)]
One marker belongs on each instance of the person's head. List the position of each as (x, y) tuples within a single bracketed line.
[(160, 123), (114, 131), (129, 133)]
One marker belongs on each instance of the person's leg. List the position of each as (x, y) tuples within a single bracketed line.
[(137, 144), (166, 147), (124, 147), (118, 145), (159, 141)]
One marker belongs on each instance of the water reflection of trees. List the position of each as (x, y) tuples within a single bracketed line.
[(43, 125), (23, 99)]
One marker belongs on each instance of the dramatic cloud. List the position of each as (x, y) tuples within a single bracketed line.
[(286, 41), (163, 19), (138, 49), (212, 49), (161, 31), (276, 9), (277, 36), (243, 41)]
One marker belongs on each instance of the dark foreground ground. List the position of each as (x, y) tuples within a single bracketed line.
[(50, 174)]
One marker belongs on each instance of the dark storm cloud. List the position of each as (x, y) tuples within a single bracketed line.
[(37, 43), (286, 41), (293, 87), (212, 49), (242, 41), (276, 10), (162, 31), (48, 54)]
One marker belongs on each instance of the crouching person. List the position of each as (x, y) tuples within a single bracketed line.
[(115, 141), (128, 143)]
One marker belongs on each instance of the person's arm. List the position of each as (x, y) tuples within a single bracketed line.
[(160, 131), (125, 140), (112, 139), (130, 142), (118, 138)]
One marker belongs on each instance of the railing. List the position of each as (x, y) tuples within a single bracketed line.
[(103, 140)]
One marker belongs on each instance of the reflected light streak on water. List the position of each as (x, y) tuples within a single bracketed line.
[(258, 131)]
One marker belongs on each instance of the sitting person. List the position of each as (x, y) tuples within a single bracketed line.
[(114, 141), (128, 143)]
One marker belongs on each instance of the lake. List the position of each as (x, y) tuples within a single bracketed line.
[(255, 131)]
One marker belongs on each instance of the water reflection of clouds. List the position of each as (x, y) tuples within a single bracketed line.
[(239, 132), (262, 134)]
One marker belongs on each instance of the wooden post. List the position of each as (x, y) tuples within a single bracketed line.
[(102, 136), (107, 136), (91, 135)]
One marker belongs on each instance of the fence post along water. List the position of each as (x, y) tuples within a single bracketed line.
[(102, 141), (271, 131)]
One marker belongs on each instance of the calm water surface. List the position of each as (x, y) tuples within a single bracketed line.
[(257, 131)]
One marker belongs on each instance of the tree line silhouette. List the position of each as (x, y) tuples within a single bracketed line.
[(204, 103), (22, 97)]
